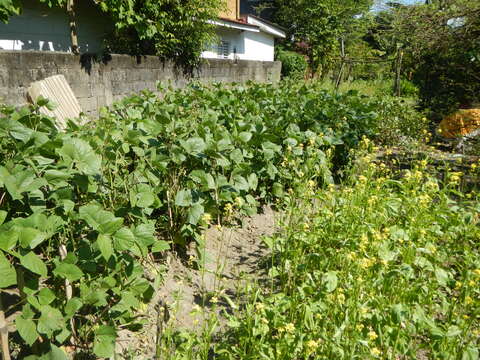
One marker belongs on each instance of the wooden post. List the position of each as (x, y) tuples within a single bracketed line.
[(398, 72), (73, 26), (340, 73), (4, 332)]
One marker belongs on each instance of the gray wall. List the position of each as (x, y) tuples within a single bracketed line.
[(97, 84)]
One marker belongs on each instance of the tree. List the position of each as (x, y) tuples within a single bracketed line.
[(317, 25)]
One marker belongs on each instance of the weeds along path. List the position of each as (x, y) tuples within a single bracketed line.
[(234, 262)]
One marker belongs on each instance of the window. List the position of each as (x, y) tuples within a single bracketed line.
[(223, 49)]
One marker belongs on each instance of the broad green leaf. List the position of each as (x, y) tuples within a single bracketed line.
[(471, 352), (253, 181), (104, 243), (145, 233), (80, 153), (68, 271), (240, 183), (30, 237), (8, 275), (236, 156), (32, 262), (330, 280), (145, 199), (8, 238), (73, 305), (23, 182), (123, 239), (3, 216), (56, 353), (101, 220), (441, 276), (245, 136), (51, 319), (27, 329), (184, 198), (201, 177), (194, 145), (46, 296), (195, 213), (160, 246), (104, 342)]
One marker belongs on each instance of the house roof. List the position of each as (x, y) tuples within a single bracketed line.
[(235, 24), (266, 26)]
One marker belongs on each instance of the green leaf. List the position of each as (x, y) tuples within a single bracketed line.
[(45, 296), (104, 343), (101, 220), (144, 233), (23, 182), (194, 145), (8, 274), (123, 239), (160, 246), (240, 183), (30, 237), (442, 276), (80, 153), (245, 136), (8, 238), (73, 305), (145, 199), (184, 198), (236, 156), (33, 263), (253, 181), (104, 243), (27, 330), (3, 216), (51, 319), (330, 280), (56, 354), (470, 353), (195, 213), (70, 272)]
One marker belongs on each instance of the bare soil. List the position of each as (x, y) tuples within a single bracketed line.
[(234, 257)]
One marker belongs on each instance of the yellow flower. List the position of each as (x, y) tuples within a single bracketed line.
[(341, 299), (359, 327), (473, 166), (362, 179), (476, 272), (312, 345), (238, 201), (259, 306), (375, 351), (289, 328), (468, 300), (206, 218), (264, 321), (372, 335), (214, 300), (311, 183)]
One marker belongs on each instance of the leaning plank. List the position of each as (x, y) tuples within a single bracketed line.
[(57, 90)]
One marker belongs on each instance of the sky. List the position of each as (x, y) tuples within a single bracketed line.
[(406, 2)]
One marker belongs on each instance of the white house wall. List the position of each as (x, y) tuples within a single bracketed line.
[(249, 45), (45, 29), (236, 42), (259, 46)]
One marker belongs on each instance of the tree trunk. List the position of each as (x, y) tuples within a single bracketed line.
[(73, 26), (4, 333)]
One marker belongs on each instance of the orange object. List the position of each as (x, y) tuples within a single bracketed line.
[(461, 123)]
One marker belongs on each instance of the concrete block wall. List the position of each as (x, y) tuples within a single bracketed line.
[(98, 84)]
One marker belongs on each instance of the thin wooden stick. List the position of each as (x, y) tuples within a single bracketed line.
[(4, 332), (68, 289)]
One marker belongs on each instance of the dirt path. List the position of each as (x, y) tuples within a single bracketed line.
[(234, 257)]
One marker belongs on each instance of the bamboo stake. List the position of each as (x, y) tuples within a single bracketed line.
[(68, 289), (73, 26), (4, 332)]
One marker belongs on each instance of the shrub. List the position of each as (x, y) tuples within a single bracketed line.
[(294, 65)]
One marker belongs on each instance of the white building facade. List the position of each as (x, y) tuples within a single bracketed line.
[(250, 39)]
